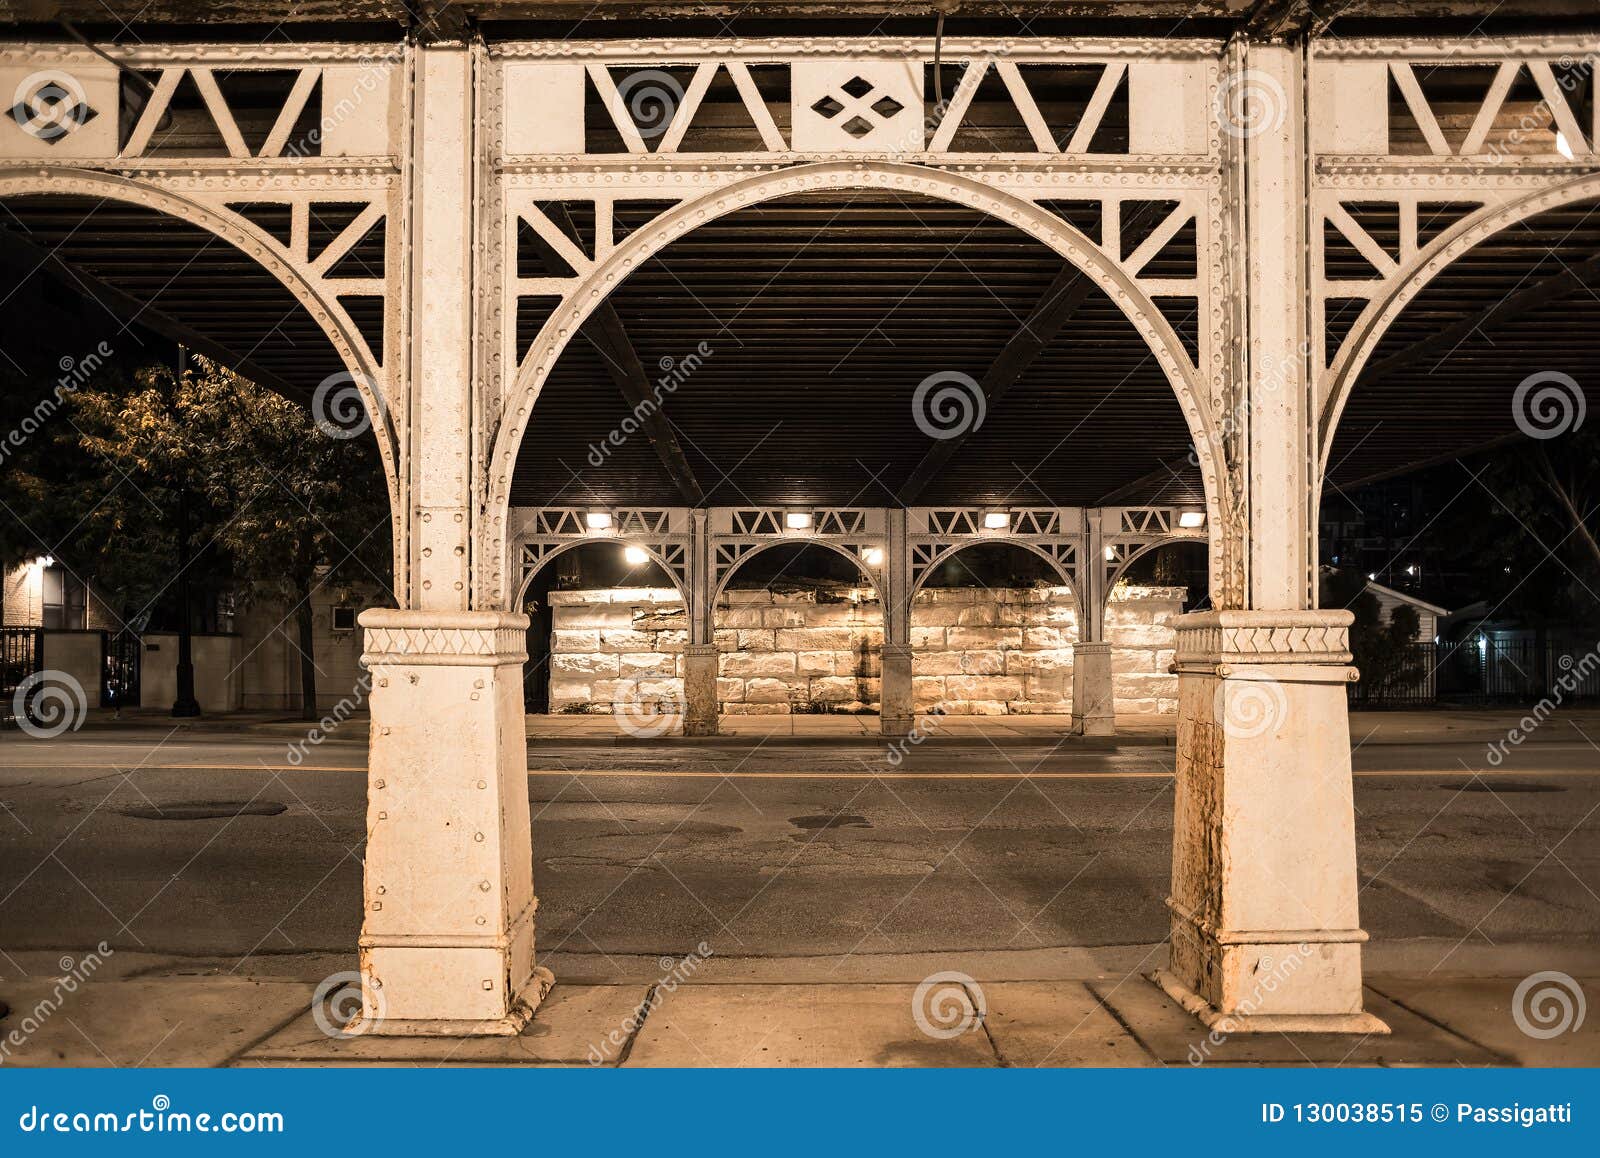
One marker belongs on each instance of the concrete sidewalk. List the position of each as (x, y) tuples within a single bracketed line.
[(167, 1012)]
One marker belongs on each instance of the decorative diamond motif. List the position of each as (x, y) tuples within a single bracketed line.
[(51, 108), (863, 118)]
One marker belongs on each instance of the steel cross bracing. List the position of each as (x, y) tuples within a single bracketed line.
[(254, 142)]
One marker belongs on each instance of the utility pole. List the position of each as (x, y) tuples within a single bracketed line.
[(185, 706)]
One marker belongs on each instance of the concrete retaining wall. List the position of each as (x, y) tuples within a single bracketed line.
[(976, 651)]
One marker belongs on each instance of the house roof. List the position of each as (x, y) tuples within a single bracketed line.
[(1419, 604)]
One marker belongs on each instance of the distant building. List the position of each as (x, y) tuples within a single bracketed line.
[(1429, 615)]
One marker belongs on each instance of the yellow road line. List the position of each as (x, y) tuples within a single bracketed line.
[(754, 774)]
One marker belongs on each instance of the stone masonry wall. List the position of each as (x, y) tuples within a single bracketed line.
[(976, 651)]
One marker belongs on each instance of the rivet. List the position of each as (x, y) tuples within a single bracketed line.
[(376, 905), (487, 984), (483, 784), (383, 816), (478, 836), (485, 886), (382, 783)]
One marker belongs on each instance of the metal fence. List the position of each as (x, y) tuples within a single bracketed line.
[(1485, 671), (20, 656)]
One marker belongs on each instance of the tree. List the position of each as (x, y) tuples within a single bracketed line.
[(281, 508), (1380, 649)]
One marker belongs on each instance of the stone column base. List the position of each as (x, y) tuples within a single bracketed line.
[(1213, 1018), (1094, 711), (700, 689), (897, 711), (448, 925), (1265, 931)]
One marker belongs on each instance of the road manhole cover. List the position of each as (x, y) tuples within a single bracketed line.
[(843, 820), (207, 810), (1500, 786)]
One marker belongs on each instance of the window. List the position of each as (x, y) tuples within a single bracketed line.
[(65, 599), (344, 618)]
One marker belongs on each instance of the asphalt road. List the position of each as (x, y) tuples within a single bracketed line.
[(143, 839)]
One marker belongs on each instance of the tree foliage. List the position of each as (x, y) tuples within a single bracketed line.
[(275, 507)]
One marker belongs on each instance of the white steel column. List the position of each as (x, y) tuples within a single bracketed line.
[(448, 924), (1265, 932), (1094, 711), (700, 653), (896, 704)]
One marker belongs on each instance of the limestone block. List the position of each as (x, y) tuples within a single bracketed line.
[(986, 708), (745, 617), (928, 638), (978, 615), (1046, 637), (660, 690), (726, 640), (734, 598), (776, 617), (569, 691), (927, 689), (575, 641), (1142, 686), (763, 709), (730, 690), (647, 663), (834, 689), (937, 615), (757, 640), (814, 639), (625, 640), (827, 615), (1059, 615), (817, 663), (613, 691), (984, 687), (671, 640), (654, 622), (935, 663), (767, 691), (982, 663), (1049, 661), (1165, 659), (1141, 635), (758, 663), (1132, 660), (584, 664), (983, 638), (1040, 708)]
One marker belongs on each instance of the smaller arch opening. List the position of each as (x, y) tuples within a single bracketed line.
[(799, 628), (606, 625), (1153, 588), (993, 628)]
